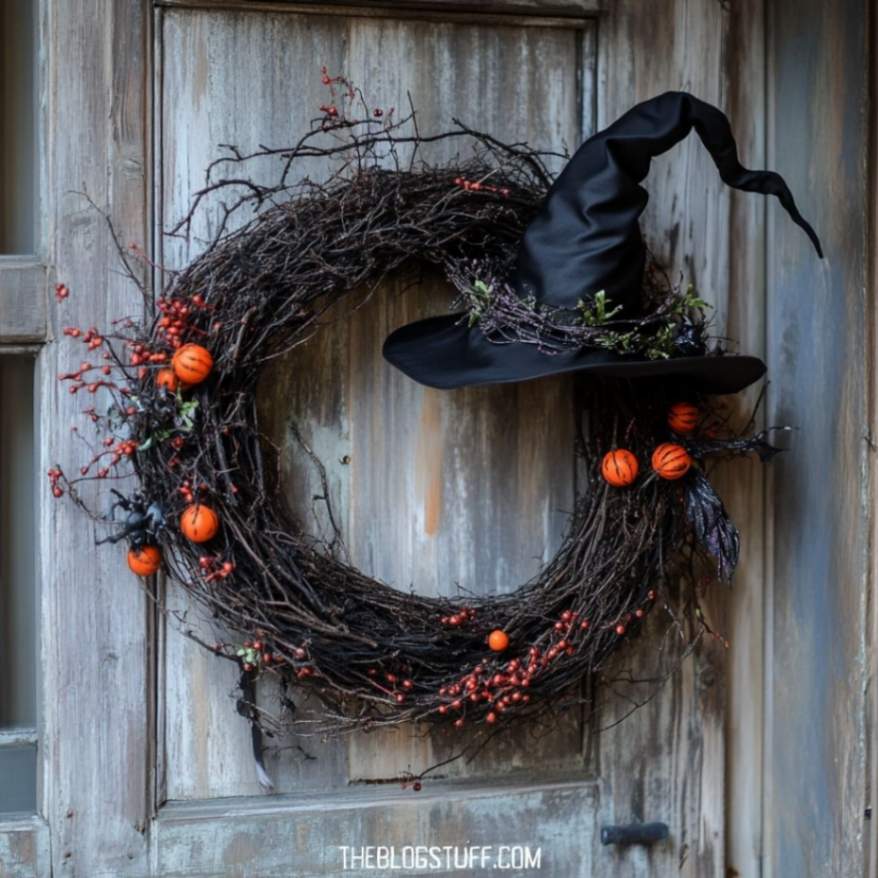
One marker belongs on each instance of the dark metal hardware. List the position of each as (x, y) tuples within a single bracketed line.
[(634, 833)]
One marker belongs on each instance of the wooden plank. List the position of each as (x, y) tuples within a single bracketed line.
[(286, 836), (18, 736), (668, 760), (872, 370), (18, 105), (821, 501), (95, 708), (24, 847), (433, 520), (513, 12), (739, 612), (23, 297)]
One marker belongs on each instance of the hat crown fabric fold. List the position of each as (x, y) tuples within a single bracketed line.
[(586, 236)]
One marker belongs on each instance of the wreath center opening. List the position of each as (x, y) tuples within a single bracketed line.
[(443, 493)]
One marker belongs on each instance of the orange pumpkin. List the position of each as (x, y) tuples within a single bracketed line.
[(199, 523), (683, 417), (192, 363), (619, 467), (166, 378), (671, 461), (498, 640), (145, 561)]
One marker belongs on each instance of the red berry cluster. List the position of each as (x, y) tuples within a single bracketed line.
[(461, 617), (256, 653), (62, 291), (566, 628), (91, 337), (118, 449), (55, 475), (174, 323), (141, 355), (187, 492), (621, 627), (92, 386), (349, 93), (500, 687), (300, 654), (478, 186), (398, 686), (215, 568)]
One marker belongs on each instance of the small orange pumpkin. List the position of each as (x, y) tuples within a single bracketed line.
[(671, 461), (498, 640), (619, 467), (199, 523), (167, 379), (683, 417), (192, 363), (145, 561)]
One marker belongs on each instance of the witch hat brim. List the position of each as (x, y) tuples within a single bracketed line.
[(444, 352), (586, 239)]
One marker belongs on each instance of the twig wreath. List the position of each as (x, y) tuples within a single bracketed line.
[(181, 418)]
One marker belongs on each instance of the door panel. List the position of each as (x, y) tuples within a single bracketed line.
[(286, 837), (441, 491)]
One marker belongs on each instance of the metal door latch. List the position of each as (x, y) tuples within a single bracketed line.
[(634, 833)]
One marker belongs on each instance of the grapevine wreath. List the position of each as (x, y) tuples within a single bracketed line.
[(551, 276)]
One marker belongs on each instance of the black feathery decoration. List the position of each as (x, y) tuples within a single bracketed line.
[(712, 525), (737, 446)]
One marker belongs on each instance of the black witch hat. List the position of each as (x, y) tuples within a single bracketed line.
[(585, 239)]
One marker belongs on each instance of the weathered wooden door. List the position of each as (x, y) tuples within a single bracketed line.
[(146, 768), (444, 490)]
